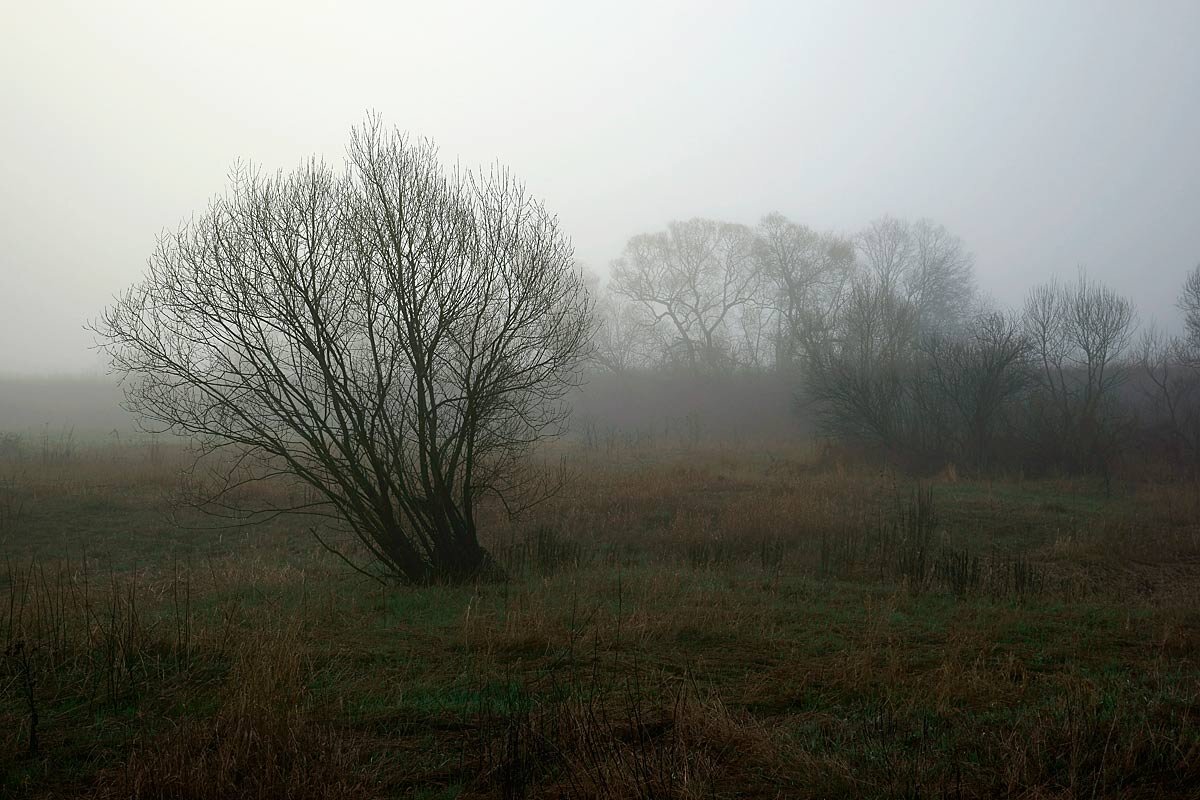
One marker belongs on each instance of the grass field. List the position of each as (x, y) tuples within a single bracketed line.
[(681, 622)]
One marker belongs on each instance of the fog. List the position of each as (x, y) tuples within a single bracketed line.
[(621, 399), (1046, 136)]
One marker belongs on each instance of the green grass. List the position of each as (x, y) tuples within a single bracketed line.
[(618, 662)]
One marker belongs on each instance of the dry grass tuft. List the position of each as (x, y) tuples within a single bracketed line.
[(674, 745), (259, 744)]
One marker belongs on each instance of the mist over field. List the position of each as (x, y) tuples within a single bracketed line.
[(625, 401), (608, 407)]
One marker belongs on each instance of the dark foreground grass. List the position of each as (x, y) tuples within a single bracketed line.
[(717, 623)]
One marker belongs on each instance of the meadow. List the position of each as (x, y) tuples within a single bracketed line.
[(686, 619)]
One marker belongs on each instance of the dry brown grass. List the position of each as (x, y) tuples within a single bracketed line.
[(727, 622), (637, 750), (261, 742)]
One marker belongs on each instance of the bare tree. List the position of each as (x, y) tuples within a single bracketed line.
[(1171, 384), (978, 375), (1079, 335), (624, 339), (392, 338), (1189, 304), (693, 278), (924, 263), (754, 335), (809, 273), (861, 372), (1170, 380), (886, 247)]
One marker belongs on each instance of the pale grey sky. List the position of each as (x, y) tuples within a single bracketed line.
[(1048, 135)]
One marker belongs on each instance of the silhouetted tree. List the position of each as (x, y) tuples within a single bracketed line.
[(392, 337), (978, 375), (1171, 383), (1079, 335), (861, 372)]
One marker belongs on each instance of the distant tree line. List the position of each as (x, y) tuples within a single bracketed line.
[(890, 343)]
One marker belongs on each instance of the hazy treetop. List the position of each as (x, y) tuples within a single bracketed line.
[(1047, 135)]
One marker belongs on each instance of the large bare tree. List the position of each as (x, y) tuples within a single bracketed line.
[(810, 274), (392, 337), (924, 263), (1079, 335), (694, 279)]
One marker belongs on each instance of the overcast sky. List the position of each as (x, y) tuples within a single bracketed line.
[(1048, 135)]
